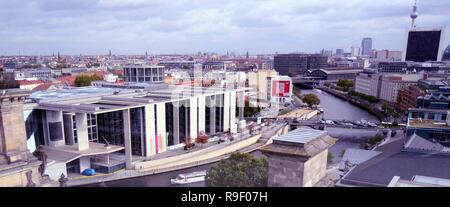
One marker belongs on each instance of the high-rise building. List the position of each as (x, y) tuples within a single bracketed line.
[(424, 45), (355, 51), (339, 52), (366, 46), (298, 64)]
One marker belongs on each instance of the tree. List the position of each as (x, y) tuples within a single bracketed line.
[(345, 84), (202, 139), (188, 144), (311, 99), (85, 80), (240, 170)]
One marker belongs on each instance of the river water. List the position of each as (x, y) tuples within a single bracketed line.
[(334, 108), (338, 109)]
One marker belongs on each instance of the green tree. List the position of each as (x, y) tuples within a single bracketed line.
[(345, 84), (85, 80), (240, 170), (311, 99)]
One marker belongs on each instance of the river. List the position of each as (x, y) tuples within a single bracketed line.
[(338, 109)]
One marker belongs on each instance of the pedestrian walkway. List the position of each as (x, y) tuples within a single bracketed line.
[(178, 158)]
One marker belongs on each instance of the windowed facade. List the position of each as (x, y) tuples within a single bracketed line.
[(143, 73)]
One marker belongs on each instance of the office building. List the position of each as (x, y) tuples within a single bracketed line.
[(424, 45), (279, 89), (257, 81), (407, 98), (109, 129), (339, 52), (355, 51), (391, 84), (298, 64), (369, 83), (366, 46), (140, 73), (386, 55)]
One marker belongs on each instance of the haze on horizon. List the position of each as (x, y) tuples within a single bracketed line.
[(42, 27)]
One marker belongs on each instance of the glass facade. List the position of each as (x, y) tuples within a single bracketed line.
[(144, 74), (169, 123), (423, 46)]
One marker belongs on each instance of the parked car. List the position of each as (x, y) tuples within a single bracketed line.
[(88, 172)]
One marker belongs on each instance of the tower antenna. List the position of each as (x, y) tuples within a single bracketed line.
[(414, 14)]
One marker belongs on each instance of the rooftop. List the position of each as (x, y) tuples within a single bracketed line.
[(426, 123), (380, 170)]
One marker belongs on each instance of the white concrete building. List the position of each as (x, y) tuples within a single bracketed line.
[(279, 89), (111, 127), (368, 83)]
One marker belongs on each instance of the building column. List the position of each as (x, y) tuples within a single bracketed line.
[(212, 114), (241, 104), (201, 114), (150, 132), (56, 130), (226, 111), (85, 163), (127, 139), (82, 133), (233, 126), (176, 122), (193, 118), (161, 125)]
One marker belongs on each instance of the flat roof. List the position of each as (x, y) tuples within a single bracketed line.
[(300, 136), (380, 170)]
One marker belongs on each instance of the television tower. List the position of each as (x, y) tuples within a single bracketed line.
[(414, 14)]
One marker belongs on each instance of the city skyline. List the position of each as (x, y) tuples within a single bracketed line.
[(76, 27)]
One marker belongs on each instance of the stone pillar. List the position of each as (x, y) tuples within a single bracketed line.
[(127, 137), (21, 168), (82, 133), (290, 165)]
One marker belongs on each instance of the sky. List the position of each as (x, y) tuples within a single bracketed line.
[(42, 27)]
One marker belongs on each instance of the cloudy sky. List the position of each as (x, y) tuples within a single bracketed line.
[(188, 26)]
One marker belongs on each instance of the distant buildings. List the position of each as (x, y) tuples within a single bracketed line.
[(366, 46), (386, 55), (424, 45), (335, 74), (298, 64), (356, 51), (407, 97), (258, 81), (384, 86)]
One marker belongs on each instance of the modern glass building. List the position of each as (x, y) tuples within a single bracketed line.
[(366, 46), (143, 73), (424, 45), (108, 129)]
